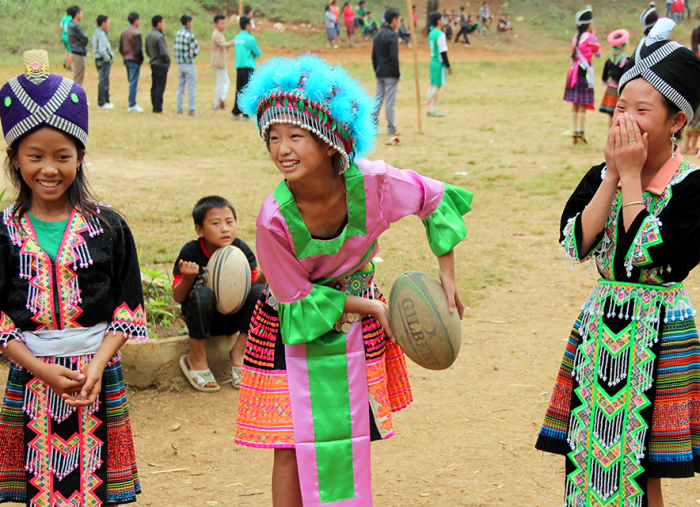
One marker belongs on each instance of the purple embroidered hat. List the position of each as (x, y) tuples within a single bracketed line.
[(38, 98)]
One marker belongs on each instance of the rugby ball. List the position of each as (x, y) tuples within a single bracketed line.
[(228, 275), (423, 326)]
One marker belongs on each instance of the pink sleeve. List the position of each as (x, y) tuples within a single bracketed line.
[(288, 279), (405, 192)]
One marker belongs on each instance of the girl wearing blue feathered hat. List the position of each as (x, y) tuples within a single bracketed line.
[(320, 343)]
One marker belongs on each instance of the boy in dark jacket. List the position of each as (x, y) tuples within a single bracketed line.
[(157, 51), (78, 41), (385, 60)]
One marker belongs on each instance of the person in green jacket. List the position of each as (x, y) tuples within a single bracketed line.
[(247, 50), (68, 57), (439, 64)]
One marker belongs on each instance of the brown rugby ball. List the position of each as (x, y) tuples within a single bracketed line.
[(423, 326)]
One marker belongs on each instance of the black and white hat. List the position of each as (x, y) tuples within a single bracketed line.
[(649, 17), (584, 17), (667, 66)]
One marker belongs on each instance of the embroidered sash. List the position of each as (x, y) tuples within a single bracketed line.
[(330, 410), (68, 342)]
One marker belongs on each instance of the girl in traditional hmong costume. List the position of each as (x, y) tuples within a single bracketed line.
[(612, 72), (321, 377), (70, 296), (625, 409), (580, 80)]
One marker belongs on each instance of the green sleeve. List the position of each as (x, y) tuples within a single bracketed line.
[(445, 226), (311, 317)]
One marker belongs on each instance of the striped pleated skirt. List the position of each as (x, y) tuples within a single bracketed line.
[(53, 454)]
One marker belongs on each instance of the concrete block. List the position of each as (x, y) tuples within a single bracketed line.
[(157, 362)]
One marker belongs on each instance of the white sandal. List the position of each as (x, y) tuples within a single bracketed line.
[(236, 377), (198, 378)]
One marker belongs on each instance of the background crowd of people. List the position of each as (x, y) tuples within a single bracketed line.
[(362, 21), (185, 51)]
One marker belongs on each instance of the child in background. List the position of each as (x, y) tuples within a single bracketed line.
[(360, 12), (349, 16), (612, 71), (320, 341), (71, 297), (414, 16), (68, 57), (447, 24), (404, 34), (335, 9), (248, 13), (504, 24), (439, 64), (247, 51), (370, 29), (580, 79), (215, 224), (329, 19), (465, 27)]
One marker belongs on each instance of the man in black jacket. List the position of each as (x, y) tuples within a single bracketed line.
[(385, 60), (78, 42)]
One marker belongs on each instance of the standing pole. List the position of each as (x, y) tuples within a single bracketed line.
[(414, 38), (240, 8)]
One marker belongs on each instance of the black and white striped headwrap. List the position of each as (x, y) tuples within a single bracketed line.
[(667, 66)]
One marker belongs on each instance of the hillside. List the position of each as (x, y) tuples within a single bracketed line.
[(542, 19)]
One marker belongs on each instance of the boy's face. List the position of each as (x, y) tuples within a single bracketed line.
[(218, 229)]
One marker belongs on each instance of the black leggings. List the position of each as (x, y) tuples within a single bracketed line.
[(464, 30), (242, 77), (203, 321)]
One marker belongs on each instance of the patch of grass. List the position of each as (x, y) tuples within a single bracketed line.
[(281, 40)]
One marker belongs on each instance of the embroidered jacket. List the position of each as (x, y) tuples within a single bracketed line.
[(302, 268), (95, 278), (661, 246)]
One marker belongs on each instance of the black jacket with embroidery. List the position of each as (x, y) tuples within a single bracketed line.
[(95, 278)]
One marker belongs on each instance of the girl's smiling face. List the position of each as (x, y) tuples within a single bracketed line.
[(297, 153), (646, 105), (48, 160)]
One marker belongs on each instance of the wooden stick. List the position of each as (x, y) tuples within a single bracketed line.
[(240, 8), (414, 39), (171, 470)]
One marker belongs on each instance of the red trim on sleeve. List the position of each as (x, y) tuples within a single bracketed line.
[(176, 279), (254, 274)]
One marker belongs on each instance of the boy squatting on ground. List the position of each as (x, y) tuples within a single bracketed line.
[(215, 224)]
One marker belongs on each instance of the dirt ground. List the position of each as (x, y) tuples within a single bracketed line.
[(468, 438)]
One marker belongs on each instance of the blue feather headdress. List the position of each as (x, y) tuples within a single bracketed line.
[(318, 97)]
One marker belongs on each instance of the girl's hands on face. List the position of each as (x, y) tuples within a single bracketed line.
[(630, 147), (609, 151)]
